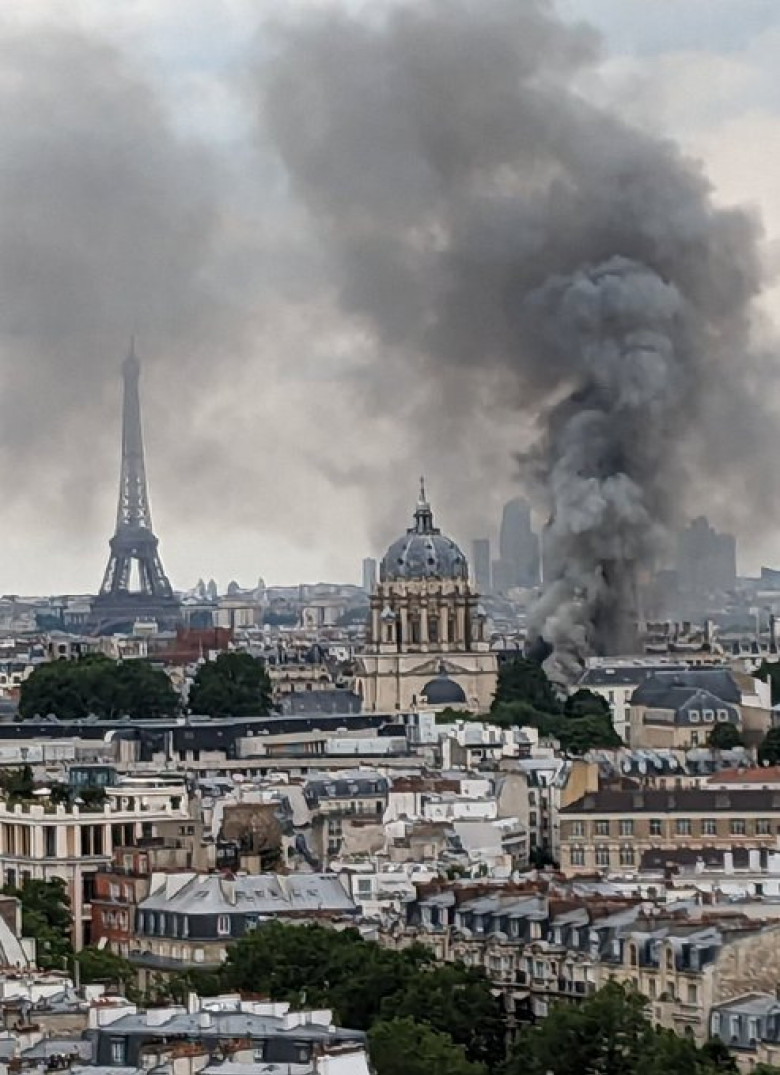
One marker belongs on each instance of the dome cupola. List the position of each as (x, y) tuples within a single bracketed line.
[(423, 551)]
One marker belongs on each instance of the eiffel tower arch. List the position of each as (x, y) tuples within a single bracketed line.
[(134, 585)]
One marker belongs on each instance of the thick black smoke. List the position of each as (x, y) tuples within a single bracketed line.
[(508, 242)]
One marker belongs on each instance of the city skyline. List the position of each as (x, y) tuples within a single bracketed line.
[(241, 486)]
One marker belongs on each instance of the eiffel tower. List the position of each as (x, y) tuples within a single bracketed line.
[(119, 605)]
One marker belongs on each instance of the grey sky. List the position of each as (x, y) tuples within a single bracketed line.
[(257, 460)]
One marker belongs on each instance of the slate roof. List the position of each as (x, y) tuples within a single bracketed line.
[(270, 894), (621, 675), (352, 786), (227, 1024), (657, 687), (675, 801)]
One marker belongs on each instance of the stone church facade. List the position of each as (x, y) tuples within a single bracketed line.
[(427, 645)]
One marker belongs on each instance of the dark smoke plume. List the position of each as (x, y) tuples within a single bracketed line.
[(507, 242)]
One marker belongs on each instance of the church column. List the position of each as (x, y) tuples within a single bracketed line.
[(404, 626), (460, 613), (424, 623), (376, 636), (444, 624)]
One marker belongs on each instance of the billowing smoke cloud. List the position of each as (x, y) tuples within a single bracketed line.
[(508, 244)]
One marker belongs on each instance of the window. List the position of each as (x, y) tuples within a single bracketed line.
[(577, 856), (708, 716), (50, 850), (715, 1024), (223, 925), (651, 988), (602, 828), (682, 826), (117, 1050), (693, 994), (626, 827), (602, 856), (737, 826), (709, 827), (723, 715), (763, 827), (693, 716), (655, 826), (626, 856), (578, 828), (632, 958)]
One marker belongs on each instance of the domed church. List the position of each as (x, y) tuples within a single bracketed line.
[(427, 645)]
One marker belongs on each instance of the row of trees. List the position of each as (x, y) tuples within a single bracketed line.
[(234, 684), (583, 721), (427, 1019), (525, 697), (421, 1018)]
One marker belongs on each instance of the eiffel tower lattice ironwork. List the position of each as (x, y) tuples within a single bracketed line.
[(134, 544)]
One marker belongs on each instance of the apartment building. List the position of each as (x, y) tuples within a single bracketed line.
[(124, 883), (191, 918), (627, 831), (246, 1033), (41, 841), (561, 945)]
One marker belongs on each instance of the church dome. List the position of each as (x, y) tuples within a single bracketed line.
[(423, 552), (443, 691)]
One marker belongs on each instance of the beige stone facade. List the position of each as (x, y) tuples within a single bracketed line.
[(611, 831), (427, 644)]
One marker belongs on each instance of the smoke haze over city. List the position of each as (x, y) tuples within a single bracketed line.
[(360, 241)]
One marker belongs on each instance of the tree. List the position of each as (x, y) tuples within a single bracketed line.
[(333, 969), (604, 1035), (455, 1000), (17, 783), (233, 685), (717, 1055), (46, 917), (94, 684), (725, 737), (770, 671), (585, 703), (405, 1047), (102, 965), (578, 735), (611, 1034), (769, 751), (521, 680)]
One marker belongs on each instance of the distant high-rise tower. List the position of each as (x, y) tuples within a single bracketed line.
[(134, 585), (706, 560), (518, 547), (369, 574), (480, 562)]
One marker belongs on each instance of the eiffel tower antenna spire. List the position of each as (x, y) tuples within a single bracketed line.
[(134, 544)]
